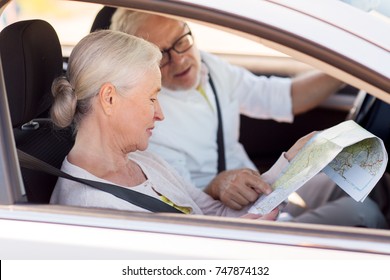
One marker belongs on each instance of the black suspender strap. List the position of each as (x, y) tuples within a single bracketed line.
[(144, 201), (220, 142)]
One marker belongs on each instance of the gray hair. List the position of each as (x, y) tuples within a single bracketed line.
[(100, 57), (128, 21)]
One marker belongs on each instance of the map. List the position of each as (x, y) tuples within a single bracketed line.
[(357, 165), (351, 156)]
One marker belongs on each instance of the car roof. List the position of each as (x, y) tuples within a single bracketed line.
[(333, 12), (353, 48)]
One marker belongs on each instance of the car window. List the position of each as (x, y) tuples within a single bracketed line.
[(218, 41), (377, 8), (73, 20)]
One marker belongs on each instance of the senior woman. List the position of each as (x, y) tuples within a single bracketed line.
[(110, 96)]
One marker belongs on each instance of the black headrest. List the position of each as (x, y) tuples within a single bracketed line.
[(103, 19), (31, 57)]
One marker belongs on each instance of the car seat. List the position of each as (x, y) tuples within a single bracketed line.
[(31, 58), (103, 19)]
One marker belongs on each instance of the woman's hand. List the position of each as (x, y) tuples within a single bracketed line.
[(293, 151), (271, 216)]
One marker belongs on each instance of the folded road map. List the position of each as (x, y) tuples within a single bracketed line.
[(352, 157)]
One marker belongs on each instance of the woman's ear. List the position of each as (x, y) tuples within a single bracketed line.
[(107, 95)]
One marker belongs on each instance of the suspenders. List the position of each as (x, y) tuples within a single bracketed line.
[(220, 142)]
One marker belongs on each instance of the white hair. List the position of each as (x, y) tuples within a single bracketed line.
[(100, 57)]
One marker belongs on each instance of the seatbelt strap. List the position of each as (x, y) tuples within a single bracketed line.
[(144, 201), (220, 142)]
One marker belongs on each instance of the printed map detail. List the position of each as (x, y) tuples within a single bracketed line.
[(357, 165), (352, 157)]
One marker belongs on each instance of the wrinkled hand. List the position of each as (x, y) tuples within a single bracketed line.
[(238, 188), (293, 151), (271, 216)]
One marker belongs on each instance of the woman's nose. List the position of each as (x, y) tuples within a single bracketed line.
[(158, 114)]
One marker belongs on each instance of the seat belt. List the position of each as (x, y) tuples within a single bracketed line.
[(220, 142), (142, 200)]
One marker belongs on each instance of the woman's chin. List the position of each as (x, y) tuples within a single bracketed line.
[(143, 147)]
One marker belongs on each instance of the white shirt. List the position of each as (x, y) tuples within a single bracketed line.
[(187, 136), (161, 179)]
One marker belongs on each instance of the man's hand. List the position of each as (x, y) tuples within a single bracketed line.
[(238, 188)]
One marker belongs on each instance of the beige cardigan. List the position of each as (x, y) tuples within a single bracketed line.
[(161, 178)]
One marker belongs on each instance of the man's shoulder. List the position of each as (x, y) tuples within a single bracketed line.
[(218, 67), (208, 57)]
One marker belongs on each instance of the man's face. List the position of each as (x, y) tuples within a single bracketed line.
[(183, 70)]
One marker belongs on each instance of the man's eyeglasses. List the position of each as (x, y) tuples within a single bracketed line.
[(181, 45)]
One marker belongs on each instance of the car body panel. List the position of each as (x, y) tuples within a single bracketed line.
[(120, 234)]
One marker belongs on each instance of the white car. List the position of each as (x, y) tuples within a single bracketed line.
[(282, 37)]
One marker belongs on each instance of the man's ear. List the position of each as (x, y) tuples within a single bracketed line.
[(107, 95)]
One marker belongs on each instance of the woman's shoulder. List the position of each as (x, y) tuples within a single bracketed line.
[(72, 169)]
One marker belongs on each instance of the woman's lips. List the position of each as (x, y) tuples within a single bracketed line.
[(149, 130)]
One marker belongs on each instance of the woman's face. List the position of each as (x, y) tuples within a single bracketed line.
[(136, 112)]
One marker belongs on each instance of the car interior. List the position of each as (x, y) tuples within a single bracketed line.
[(266, 154), (31, 50)]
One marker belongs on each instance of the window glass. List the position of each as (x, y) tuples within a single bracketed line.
[(377, 8), (218, 41), (73, 20)]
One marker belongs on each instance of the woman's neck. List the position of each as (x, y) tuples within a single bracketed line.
[(103, 159)]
